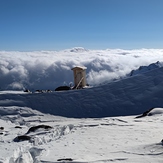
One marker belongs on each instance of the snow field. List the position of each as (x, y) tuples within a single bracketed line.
[(118, 139)]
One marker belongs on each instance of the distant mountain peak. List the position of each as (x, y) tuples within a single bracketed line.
[(78, 49), (143, 69)]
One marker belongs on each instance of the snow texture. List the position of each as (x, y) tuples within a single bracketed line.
[(129, 96), (109, 139), (118, 121)]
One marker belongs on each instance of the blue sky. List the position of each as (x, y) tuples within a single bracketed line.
[(27, 25)]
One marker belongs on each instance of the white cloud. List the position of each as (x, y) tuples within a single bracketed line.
[(50, 69), (4, 70), (16, 85)]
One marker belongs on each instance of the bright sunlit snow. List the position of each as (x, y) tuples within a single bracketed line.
[(118, 119), (118, 139)]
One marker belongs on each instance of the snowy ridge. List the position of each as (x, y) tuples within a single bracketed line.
[(143, 69), (78, 49), (129, 96)]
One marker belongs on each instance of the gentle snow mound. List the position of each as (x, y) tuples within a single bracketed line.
[(155, 111)]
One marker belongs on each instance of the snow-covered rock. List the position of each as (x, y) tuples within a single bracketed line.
[(78, 49), (143, 69)]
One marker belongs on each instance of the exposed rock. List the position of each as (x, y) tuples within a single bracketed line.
[(34, 128), (145, 113), (27, 90), (62, 88), (65, 159), (22, 138), (1, 128), (18, 127)]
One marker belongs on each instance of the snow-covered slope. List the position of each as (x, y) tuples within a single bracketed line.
[(129, 96), (143, 69), (29, 136)]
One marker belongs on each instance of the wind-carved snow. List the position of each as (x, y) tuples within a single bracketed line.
[(129, 96), (118, 139), (19, 152)]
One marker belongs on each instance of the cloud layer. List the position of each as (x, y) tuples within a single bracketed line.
[(50, 69)]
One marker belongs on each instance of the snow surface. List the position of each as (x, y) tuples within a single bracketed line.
[(102, 123), (129, 96), (109, 139)]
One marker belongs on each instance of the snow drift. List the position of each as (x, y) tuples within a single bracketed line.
[(93, 140), (129, 96)]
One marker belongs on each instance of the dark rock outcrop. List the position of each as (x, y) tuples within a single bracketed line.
[(63, 88), (145, 113), (22, 138), (34, 128)]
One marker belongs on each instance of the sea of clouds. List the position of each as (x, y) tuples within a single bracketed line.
[(50, 69)]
